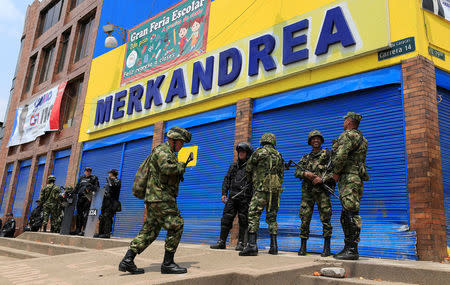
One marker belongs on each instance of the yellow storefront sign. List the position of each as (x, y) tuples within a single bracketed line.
[(332, 33)]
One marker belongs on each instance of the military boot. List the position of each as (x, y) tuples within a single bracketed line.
[(349, 253), (302, 250), (343, 250), (169, 266), (241, 241), (44, 229), (240, 246), (326, 247), (273, 245), (221, 243), (251, 249), (127, 263)]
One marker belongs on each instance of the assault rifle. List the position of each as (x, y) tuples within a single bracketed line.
[(328, 188), (189, 159)]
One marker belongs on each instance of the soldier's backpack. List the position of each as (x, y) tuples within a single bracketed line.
[(140, 180)]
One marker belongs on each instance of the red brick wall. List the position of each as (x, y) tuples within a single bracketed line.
[(242, 133), (425, 184)]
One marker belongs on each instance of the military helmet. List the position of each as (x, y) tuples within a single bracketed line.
[(114, 172), (243, 146), (315, 133), (51, 178), (268, 138), (179, 133)]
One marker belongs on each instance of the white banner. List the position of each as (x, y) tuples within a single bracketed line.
[(438, 7), (37, 116)]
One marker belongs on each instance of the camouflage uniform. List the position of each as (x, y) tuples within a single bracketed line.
[(49, 199), (349, 158), (315, 162)]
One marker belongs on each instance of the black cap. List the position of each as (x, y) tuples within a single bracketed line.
[(114, 172), (88, 169), (38, 201)]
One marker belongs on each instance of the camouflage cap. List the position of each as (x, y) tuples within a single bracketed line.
[(51, 178), (355, 116), (179, 133), (268, 138), (315, 133)]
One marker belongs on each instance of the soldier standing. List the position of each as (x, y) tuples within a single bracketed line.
[(161, 203), (265, 168), (349, 167), (314, 172), (238, 189), (85, 187), (110, 204), (49, 199)]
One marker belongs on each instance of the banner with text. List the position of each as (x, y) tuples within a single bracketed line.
[(169, 38), (438, 7), (38, 116)]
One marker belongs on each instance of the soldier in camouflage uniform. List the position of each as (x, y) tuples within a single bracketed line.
[(161, 201), (314, 172), (349, 167), (265, 168), (49, 199)]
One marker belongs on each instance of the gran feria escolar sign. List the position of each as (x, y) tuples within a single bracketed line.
[(332, 33)]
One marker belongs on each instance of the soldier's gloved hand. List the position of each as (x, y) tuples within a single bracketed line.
[(317, 180), (336, 177), (309, 175), (224, 199)]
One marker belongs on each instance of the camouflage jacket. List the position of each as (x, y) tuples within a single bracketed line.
[(265, 168), (49, 195), (315, 162), (349, 153), (165, 175)]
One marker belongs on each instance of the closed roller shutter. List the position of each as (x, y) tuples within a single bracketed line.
[(5, 193), (444, 133), (129, 221), (37, 183), (199, 194), (60, 166), (384, 206), (21, 188)]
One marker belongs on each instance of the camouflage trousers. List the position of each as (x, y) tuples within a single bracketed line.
[(350, 193), (159, 214), (309, 198), (54, 212), (260, 200)]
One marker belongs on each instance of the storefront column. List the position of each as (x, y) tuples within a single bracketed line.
[(242, 133), (425, 186)]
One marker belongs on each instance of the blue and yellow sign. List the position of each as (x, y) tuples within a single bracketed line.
[(336, 32)]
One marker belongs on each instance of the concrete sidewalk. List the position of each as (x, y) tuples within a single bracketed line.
[(206, 266)]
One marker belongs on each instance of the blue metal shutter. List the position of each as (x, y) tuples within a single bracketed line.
[(101, 161), (21, 188), (384, 206), (199, 194), (128, 222), (60, 166), (444, 133), (6, 188), (37, 183)]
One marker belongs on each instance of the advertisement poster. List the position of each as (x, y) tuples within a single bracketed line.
[(438, 7), (38, 116), (167, 39)]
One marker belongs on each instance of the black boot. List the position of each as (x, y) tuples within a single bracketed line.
[(240, 246), (302, 250), (273, 245), (44, 229), (349, 253), (251, 249), (343, 250), (169, 266), (219, 245), (127, 263), (326, 247)]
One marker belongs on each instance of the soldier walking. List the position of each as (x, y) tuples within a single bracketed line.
[(85, 187), (49, 199), (349, 166), (110, 204), (265, 168), (314, 172), (165, 174), (239, 191)]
